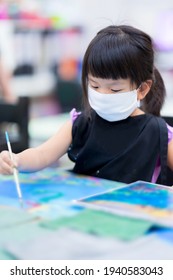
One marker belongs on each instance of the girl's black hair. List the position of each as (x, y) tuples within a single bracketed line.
[(124, 52)]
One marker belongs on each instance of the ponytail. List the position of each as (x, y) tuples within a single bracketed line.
[(154, 100)]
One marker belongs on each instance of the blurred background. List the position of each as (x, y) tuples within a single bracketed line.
[(42, 43)]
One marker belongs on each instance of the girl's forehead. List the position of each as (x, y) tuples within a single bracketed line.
[(108, 81)]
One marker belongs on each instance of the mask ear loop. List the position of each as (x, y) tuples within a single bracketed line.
[(139, 86), (139, 102)]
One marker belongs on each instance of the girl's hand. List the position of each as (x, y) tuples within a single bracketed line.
[(6, 164)]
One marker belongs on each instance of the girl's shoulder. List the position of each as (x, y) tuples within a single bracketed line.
[(81, 123), (170, 132), (169, 128), (79, 117), (74, 114)]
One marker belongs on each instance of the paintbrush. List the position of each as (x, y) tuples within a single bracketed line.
[(15, 171)]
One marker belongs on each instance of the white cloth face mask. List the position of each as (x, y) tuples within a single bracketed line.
[(115, 106)]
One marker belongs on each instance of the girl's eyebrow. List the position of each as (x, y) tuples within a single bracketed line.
[(92, 80), (111, 84)]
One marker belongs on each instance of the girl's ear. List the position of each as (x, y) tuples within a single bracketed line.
[(144, 89)]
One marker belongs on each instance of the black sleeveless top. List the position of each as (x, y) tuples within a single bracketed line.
[(124, 151)]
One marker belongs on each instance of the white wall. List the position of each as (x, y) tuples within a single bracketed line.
[(143, 14)]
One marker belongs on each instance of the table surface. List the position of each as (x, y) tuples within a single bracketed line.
[(40, 230)]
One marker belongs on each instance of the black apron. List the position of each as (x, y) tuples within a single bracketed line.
[(124, 151)]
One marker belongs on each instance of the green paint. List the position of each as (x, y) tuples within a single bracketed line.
[(50, 197), (5, 255), (102, 224)]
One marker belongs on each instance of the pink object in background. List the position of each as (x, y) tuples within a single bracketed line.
[(3, 11)]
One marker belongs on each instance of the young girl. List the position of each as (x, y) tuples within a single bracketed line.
[(119, 135)]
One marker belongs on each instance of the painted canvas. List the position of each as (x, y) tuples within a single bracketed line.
[(49, 193), (140, 199)]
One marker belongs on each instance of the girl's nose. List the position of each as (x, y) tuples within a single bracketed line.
[(104, 90)]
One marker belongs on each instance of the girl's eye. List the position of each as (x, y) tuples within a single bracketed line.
[(95, 87), (116, 90)]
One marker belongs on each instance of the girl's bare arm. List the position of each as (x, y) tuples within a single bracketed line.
[(46, 154)]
